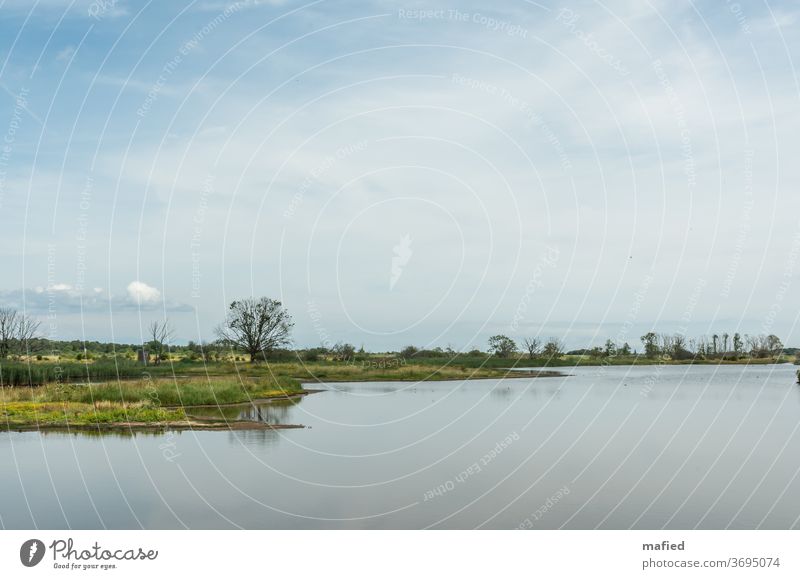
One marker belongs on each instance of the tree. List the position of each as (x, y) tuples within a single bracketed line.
[(752, 344), (679, 350), (738, 344), (408, 351), (774, 345), (256, 325), (532, 345), (160, 334), (610, 349), (16, 332), (715, 340), (8, 330), (554, 348), (344, 351), (502, 346), (667, 344), (650, 341), (725, 338), (625, 350)]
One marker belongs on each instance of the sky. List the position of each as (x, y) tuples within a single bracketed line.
[(427, 173)]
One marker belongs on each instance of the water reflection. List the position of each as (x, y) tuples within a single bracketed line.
[(273, 412)]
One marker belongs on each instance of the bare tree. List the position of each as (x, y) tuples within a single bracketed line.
[(532, 345), (667, 344), (27, 330), (160, 334), (8, 330), (256, 325), (16, 332), (752, 344), (738, 344)]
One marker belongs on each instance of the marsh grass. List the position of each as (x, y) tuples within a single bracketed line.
[(360, 372), (150, 401), (13, 373), (160, 392), (19, 414)]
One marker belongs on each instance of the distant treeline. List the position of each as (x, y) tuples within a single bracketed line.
[(674, 346)]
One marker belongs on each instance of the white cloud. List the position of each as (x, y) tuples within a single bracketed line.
[(65, 54), (140, 292)]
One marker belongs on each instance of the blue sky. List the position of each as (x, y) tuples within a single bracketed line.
[(402, 172)]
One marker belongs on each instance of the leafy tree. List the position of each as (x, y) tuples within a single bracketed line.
[(610, 348), (774, 345), (408, 351), (502, 346), (256, 325), (344, 351), (553, 348), (650, 341)]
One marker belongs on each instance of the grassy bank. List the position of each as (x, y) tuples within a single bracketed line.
[(280, 374), (159, 392), (84, 395), (22, 415), (414, 372), (132, 403)]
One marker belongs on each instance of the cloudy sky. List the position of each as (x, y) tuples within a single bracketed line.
[(402, 172)]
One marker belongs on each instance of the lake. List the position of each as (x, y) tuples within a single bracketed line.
[(616, 447)]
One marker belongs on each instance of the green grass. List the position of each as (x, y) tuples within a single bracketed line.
[(63, 414), (161, 391), (149, 402), (379, 372), (36, 373)]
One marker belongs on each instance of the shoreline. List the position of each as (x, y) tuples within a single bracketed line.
[(134, 427), (140, 416)]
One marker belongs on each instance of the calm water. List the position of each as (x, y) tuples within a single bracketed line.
[(620, 447)]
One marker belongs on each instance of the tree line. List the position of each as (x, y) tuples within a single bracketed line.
[(261, 327), (675, 346)]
